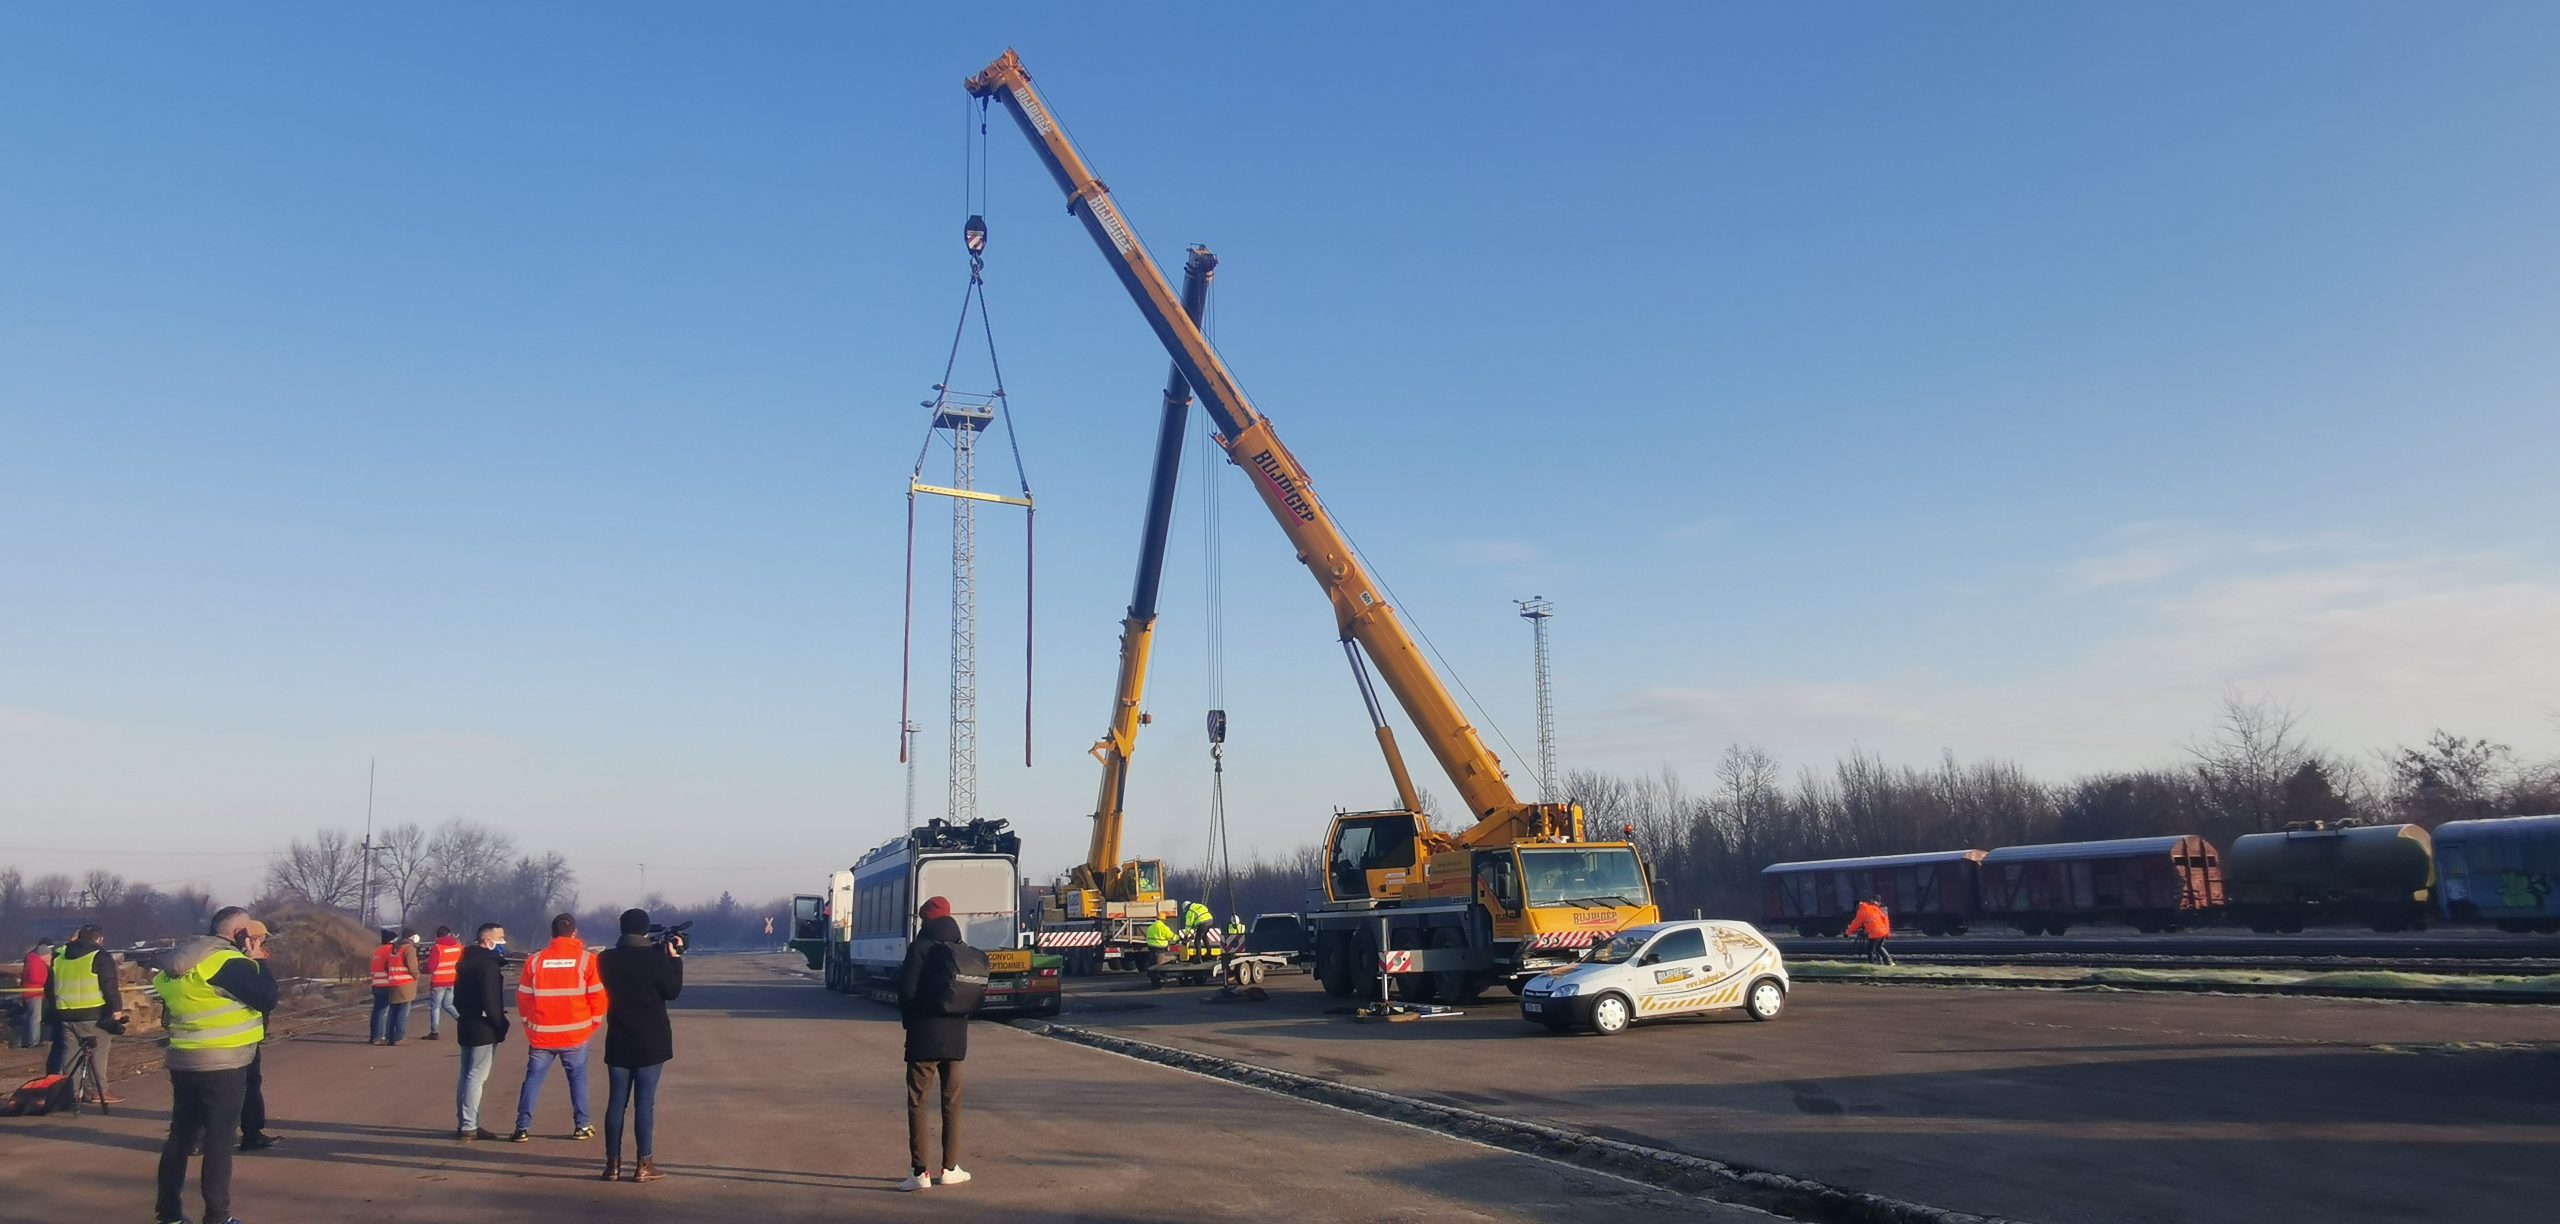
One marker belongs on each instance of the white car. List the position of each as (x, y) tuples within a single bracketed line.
[(1661, 969)]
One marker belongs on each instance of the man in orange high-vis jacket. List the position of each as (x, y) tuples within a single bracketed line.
[(444, 966), (386, 959), (1872, 922), (561, 998)]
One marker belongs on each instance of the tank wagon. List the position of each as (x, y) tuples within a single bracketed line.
[(1931, 893), (2501, 871), (2380, 875)]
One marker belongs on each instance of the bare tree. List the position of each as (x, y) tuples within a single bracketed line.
[(53, 893), (2244, 761), (327, 871), (405, 863), (2451, 778), (13, 892), (104, 889)]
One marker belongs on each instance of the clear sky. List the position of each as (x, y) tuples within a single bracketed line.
[(523, 396)]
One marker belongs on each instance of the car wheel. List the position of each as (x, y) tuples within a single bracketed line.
[(1765, 999), (1611, 1015)]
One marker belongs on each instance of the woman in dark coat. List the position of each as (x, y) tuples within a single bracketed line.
[(640, 976), (936, 1044)]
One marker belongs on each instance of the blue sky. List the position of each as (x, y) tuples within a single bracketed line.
[(524, 398)]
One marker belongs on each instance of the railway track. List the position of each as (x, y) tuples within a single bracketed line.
[(2317, 964), (2367, 951)]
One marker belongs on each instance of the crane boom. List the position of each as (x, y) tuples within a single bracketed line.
[(1101, 869), (1360, 610)]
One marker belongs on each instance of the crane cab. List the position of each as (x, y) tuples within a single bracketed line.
[(1373, 856)]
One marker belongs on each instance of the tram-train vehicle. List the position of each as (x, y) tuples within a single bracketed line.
[(2394, 877), (869, 914)]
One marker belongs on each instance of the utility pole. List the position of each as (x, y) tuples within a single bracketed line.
[(913, 729), (1537, 611), (367, 850)]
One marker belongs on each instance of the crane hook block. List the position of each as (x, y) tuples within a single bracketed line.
[(1217, 726), (975, 234)]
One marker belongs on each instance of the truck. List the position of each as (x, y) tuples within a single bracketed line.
[(870, 912), (1432, 915)]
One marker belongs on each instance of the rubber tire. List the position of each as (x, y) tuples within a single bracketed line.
[(1333, 949), (1457, 987), (1753, 1003), (1612, 1009)]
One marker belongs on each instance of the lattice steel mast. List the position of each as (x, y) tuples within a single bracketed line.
[(1537, 611)]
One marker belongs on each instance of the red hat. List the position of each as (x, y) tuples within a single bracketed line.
[(934, 907)]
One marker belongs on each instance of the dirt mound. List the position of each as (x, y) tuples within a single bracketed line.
[(309, 941)]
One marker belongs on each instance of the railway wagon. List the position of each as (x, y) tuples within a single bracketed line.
[(1932, 893), (2150, 883), (2380, 875), (2504, 871)]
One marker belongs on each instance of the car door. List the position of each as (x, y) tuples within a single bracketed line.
[(1673, 973)]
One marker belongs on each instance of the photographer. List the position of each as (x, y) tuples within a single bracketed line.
[(641, 973), (85, 1000), (217, 993)]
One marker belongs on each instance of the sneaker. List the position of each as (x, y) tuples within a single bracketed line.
[(521, 1136), (257, 1141), (465, 1134), (952, 1176), (484, 1133), (431, 1037), (915, 1181), (583, 1132)]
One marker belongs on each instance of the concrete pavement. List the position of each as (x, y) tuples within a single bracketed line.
[(2051, 1106), (785, 1104)]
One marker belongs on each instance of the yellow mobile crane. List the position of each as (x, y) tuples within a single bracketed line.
[(1443, 915), (1096, 917)]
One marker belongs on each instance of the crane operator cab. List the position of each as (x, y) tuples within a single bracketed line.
[(1372, 855)]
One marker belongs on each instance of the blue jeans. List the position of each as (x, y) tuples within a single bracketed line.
[(537, 1064), (31, 1025), (439, 1006), (476, 1061), (381, 1013), (639, 1087)]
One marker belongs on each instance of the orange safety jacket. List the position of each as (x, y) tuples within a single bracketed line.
[(560, 995), (385, 959), (1871, 921), (448, 959)]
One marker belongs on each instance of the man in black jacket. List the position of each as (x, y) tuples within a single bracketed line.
[(480, 1010), (936, 1044), (641, 976)]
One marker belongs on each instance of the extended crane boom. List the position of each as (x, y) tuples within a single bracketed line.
[(1506, 897), (1359, 607)]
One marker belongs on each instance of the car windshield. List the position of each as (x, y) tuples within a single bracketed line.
[(1593, 879), (1621, 949)]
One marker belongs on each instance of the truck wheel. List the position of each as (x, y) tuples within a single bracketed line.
[(1333, 969), (1765, 999), (1457, 987), (1611, 1015)]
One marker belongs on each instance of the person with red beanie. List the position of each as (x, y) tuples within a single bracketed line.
[(936, 1044)]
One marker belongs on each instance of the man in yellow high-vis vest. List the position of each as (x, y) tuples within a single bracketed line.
[(86, 1002), (216, 993)]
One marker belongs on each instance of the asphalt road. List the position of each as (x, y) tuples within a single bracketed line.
[(785, 1104), (2048, 1106)]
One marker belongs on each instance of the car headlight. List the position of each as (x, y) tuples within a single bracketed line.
[(1565, 990)]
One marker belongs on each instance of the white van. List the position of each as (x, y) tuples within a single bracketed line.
[(1662, 969)]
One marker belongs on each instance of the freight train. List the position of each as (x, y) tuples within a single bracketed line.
[(2395, 877)]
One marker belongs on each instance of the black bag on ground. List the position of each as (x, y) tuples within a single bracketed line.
[(42, 1095), (964, 986)]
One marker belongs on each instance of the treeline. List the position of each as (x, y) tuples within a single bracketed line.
[(48, 906), (460, 874), (721, 924), (2251, 772)]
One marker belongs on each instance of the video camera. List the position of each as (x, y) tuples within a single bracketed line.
[(661, 934)]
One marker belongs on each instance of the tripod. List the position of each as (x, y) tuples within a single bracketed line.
[(83, 1073)]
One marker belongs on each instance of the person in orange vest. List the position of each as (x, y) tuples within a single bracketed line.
[(561, 998), (385, 959), (39, 966), (1872, 922), (445, 963)]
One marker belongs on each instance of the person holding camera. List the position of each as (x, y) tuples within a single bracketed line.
[(86, 1003), (251, 939), (216, 994), (642, 972)]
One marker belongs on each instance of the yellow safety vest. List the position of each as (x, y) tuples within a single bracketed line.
[(1196, 914), (75, 981), (1159, 935), (203, 1018)]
